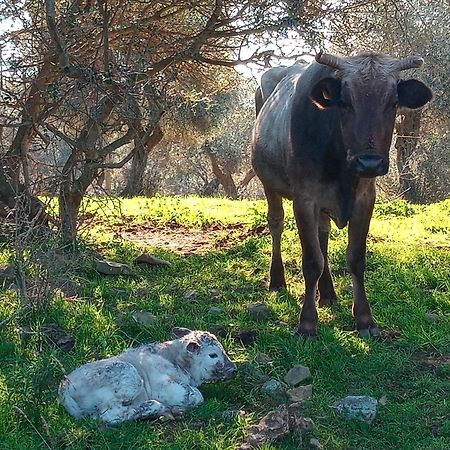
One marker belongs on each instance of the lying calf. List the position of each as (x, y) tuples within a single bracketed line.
[(154, 380)]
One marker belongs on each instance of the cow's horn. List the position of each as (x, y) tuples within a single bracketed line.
[(330, 60), (410, 62)]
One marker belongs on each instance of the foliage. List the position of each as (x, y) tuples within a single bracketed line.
[(407, 278)]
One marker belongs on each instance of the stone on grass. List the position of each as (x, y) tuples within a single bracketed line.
[(273, 388), (315, 443), (251, 373), (191, 295), (297, 374), (150, 260), (246, 338), (144, 318), (359, 407), (300, 394), (230, 414), (432, 317), (215, 310), (258, 311), (263, 358), (113, 268)]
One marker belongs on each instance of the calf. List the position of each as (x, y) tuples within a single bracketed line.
[(154, 380)]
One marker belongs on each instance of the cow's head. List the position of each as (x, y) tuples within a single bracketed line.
[(205, 356), (367, 91)]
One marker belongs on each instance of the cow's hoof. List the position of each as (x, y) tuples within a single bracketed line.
[(367, 333), (275, 287), (327, 301), (307, 333)]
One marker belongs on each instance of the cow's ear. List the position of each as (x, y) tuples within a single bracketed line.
[(179, 332), (326, 92), (413, 93), (193, 346)]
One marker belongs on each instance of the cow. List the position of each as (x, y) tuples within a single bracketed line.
[(320, 139), (151, 381)]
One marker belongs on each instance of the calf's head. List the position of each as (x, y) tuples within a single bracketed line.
[(205, 357), (367, 92)]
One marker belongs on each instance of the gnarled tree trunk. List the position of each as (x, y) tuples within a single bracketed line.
[(408, 133)]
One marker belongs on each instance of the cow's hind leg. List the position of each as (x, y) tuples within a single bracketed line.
[(307, 218), (275, 219), (327, 294), (356, 260), (151, 409)]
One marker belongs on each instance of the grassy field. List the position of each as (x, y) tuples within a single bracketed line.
[(408, 284)]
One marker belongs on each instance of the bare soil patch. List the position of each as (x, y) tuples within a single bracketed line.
[(188, 241)]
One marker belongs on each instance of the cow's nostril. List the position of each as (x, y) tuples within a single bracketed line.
[(369, 165)]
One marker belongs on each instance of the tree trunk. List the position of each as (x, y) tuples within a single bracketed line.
[(222, 173), (143, 144), (408, 132)]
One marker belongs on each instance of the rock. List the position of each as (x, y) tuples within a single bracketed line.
[(144, 318), (273, 388), (142, 292), (304, 423), (262, 358), (7, 273), (273, 426), (215, 310), (432, 317), (300, 394), (191, 295), (360, 407), (253, 374), (230, 414), (258, 311), (297, 374), (149, 260), (57, 336), (113, 268), (315, 443)]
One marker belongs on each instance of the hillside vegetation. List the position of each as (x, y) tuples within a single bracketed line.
[(79, 315)]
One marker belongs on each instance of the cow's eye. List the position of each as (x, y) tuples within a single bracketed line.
[(213, 355)]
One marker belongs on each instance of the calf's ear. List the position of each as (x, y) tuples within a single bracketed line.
[(193, 346), (179, 332), (413, 93), (326, 92)]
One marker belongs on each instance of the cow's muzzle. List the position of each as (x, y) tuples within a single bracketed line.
[(369, 165)]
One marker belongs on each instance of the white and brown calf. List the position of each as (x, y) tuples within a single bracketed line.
[(154, 380)]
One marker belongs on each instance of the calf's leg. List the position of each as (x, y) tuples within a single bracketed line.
[(275, 219), (307, 218), (358, 228), (327, 294)]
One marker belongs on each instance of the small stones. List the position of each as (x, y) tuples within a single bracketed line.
[(149, 260), (263, 358), (144, 318), (215, 310), (297, 374), (273, 388), (315, 444), (252, 373), (432, 317), (231, 414), (247, 338), (258, 311), (359, 407), (112, 268), (300, 394), (191, 296)]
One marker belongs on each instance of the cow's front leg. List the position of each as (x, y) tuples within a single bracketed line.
[(356, 257), (327, 294), (151, 409), (307, 218), (275, 219)]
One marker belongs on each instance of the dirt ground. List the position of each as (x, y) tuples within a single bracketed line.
[(187, 241)]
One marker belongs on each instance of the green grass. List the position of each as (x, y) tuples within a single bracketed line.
[(407, 277)]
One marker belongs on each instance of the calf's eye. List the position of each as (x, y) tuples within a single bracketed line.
[(213, 355)]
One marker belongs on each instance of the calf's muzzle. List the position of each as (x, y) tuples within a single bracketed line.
[(369, 165)]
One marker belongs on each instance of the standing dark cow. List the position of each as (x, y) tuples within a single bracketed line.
[(320, 139)]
